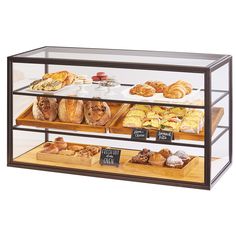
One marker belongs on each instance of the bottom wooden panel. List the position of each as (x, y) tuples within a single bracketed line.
[(194, 174)]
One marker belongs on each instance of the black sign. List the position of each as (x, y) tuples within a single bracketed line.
[(110, 157), (164, 135), (141, 134)]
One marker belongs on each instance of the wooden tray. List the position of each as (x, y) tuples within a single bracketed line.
[(69, 159), (26, 118), (116, 126), (163, 170)]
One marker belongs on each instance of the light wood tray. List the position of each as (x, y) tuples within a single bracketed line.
[(69, 159), (163, 170), (26, 118), (116, 125)]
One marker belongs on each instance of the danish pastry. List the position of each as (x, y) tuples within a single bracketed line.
[(157, 85), (142, 90)]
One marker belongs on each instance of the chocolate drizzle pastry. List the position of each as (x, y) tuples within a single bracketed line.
[(142, 157)]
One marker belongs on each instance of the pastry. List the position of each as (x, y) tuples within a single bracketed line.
[(47, 85), (88, 151), (175, 91), (60, 143), (142, 157), (142, 90), (152, 115), (190, 126), (170, 125), (174, 162), (157, 159), (178, 111), (100, 76), (75, 148), (141, 107), (65, 77), (50, 148), (96, 112), (155, 123), (157, 85), (159, 110), (165, 152), (45, 108), (183, 155), (138, 113), (132, 121), (67, 152), (187, 86), (71, 110)]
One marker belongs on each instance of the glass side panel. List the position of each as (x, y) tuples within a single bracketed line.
[(220, 142), (132, 56)]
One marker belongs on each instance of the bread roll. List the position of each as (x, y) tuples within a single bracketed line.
[(96, 112), (45, 109), (71, 110)]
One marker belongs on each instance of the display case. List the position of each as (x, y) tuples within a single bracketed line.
[(148, 116)]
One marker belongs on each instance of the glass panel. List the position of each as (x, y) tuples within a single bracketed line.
[(154, 57), (220, 109)]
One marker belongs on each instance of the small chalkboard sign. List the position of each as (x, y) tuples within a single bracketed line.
[(110, 157), (164, 135), (138, 133)]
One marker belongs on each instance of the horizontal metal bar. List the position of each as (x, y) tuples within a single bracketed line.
[(30, 52), (219, 135), (110, 64), (219, 63), (220, 98), (15, 127), (106, 100)]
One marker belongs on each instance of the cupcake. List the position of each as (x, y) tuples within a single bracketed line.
[(174, 162)]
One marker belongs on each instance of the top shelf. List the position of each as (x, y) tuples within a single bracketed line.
[(121, 56)]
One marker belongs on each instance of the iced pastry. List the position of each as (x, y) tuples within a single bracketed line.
[(174, 162), (183, 155)]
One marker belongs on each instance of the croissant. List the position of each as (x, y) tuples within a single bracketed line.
[(157, 85), (187, 86), (175, 91), (143, 90)]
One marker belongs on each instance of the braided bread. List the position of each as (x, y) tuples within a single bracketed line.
[(175, 91)]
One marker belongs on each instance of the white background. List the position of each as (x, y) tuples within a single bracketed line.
[(43, 203)]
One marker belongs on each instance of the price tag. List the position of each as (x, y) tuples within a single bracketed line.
[(164, 135), (138, 133), (110, 157)]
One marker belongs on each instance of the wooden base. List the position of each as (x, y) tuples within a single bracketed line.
[(195, 174), (116, 126)]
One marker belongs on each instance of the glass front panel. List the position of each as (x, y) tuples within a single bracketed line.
[(163, 138)]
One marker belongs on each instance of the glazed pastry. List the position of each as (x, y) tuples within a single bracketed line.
[(60, 143), (157, 159), (174, 162), (165, 152), (46, 85), (50, 148), (96, 112), (183, 155), (142, 90), (187, 86), (132, 121), (138, 113), (157, 85), (45, 109), (142, 157), (175, 91), (71, 110), (67, 152), (65, 77), (141, 107)]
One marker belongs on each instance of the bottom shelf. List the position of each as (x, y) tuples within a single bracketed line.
[(196, 174)]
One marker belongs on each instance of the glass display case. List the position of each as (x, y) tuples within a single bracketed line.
[(148, 116)]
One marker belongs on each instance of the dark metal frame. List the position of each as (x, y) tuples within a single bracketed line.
[(219, 60)]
